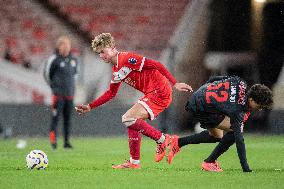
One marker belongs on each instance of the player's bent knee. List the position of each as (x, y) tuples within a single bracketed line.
[(214, 139), (209, 138), (128, 121)]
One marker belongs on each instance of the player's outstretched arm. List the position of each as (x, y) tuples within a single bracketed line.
[(240, 144), (108, 95), (183, 87)]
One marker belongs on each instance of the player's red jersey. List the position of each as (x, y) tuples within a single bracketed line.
[(141, 73), (146, 75)]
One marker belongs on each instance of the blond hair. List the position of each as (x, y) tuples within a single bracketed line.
[(102, 40)]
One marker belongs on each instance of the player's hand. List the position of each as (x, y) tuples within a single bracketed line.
[(183, 87), (82, 109)]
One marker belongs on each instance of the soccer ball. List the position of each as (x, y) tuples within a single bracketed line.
[(36, 159)]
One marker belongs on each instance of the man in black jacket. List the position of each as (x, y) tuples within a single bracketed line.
[(60, 72), (223, 103)]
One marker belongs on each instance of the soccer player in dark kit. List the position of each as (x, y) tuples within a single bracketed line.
[(223, 103)]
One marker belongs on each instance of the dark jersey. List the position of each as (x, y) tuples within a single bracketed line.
[(225, 95), (60, 74)]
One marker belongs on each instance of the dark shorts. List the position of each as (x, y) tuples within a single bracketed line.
[(207, 120)]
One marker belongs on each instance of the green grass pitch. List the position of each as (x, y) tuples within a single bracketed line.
[(88, 165)]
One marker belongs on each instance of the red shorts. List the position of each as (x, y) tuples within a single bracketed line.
[(156, 102)]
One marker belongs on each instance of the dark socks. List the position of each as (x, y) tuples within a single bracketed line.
[(203, 137), (227, 141)]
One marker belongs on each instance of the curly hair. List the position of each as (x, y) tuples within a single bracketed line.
[(102, 40), (262, 95)]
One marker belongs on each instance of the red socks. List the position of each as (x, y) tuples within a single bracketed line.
[(134, 136), (134, 141), (146, 129)]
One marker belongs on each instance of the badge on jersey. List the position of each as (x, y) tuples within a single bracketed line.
[(73, 63), (132, 60), (62, 64)]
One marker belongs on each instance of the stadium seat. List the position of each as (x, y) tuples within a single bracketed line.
[(125, 22), (29, 31)]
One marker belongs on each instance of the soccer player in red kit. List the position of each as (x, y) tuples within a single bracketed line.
[(149, 77)]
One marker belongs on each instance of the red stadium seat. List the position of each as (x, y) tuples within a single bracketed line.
[(142, 20), (39, 34), (28, 24), (137, 22)]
